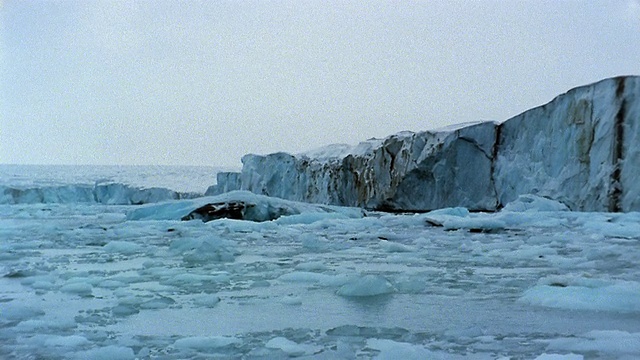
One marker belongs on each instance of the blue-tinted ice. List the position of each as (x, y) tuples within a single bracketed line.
[(81, 281)]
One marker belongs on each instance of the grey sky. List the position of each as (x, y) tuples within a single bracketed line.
[(202, 83)]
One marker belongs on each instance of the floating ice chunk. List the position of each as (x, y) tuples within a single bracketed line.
[(411, 285), (189, 280), (291, 300), (530, 203), (107, 353), (606, 343), (623, 226), (460, 218), (13, 311), (122, 310), (11, 272), (58, 325), (182, 245), (560, 357), (205, 249), (454, 211), (122, 247), (205, 343), (291, 348), (249, 206), (304, 276), (43, 285), (309, 218), (311, 266), (233, 225), (206, 300), (312, 277), (173, 210), (314, 243), (260, 284), (394, 247), (526, 252), (474, 224), (79, 288), (368, 285), (585, 294), (162, 302), (392, 350), (112, 284), (526, 219), (208, 254), (70, 341)]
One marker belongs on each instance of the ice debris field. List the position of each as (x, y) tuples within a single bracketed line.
[(533, 281)]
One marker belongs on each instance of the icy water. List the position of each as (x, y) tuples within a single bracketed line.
[(79, 281)]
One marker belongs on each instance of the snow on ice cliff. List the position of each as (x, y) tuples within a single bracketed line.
[(582, 149)]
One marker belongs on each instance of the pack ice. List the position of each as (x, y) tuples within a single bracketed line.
[(580, 149), (93, 281)]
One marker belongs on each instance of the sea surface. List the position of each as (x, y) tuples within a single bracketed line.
[(86, 281)]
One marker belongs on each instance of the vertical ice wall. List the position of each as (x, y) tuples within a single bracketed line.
[(629, 113), (582, 149), (403, 172), (453, 169)]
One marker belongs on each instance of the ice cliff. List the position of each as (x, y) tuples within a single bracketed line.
[(582, 148)]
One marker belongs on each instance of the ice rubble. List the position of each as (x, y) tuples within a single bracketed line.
[(580, 149), (305, 285), (569, 292), (584, 293), (101, 193), (367, 285)]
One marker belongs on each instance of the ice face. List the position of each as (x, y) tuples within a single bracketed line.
[(580, 149), (531, 281), (406, 171)]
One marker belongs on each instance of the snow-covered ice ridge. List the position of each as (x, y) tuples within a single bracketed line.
[(582, 149)]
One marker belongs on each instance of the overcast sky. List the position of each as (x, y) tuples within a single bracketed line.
[(202, 83)]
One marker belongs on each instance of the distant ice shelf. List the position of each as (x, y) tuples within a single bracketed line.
[(580, 149), (101, 193)]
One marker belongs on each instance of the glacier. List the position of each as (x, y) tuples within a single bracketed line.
[(579, 149)]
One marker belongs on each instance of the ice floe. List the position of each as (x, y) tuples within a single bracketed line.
[(530, 281), (249, 206)]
